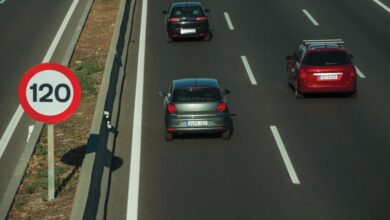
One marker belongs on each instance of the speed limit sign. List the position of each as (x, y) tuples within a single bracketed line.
[(49, 93)]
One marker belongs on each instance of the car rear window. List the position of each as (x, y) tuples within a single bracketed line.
[(189, 10), (196, 95), (326, 58)]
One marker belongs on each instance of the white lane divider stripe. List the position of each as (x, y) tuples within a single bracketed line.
[(360, 73), (2, 1), (286, 158), (382, 5), (30, 130), (135, 160), (249, 70), (229, 21), (6, 137), (308, 15)]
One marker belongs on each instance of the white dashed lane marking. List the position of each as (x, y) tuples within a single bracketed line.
[(229, 21), (286, 158), (360, 73), (382, 5), (308, 15), (249, 70)]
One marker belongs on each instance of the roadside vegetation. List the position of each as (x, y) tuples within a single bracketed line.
[(70, 136)]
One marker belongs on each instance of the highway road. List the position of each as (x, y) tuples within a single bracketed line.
[(322, 157), (28, 29)]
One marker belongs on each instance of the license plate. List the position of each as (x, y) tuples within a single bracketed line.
[(196, 123), (187, 31), (327, 76)]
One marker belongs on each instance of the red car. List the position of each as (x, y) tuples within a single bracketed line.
[(321, 66)]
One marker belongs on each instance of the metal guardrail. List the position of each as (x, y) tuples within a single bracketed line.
[(92, 187)]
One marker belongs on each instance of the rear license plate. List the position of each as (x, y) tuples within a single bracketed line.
[(327, 76), (187, 31), (196, 123)]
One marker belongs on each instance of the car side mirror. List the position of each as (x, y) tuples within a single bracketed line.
[(350, 55), (226, 91), (162, 93), (207, 10), (289, 58), (165, 12)]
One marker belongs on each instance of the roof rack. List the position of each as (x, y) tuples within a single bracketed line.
[(325, 42)]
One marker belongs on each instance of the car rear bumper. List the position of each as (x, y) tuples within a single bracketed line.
[(325, 88), (214, 125), (200, 32)]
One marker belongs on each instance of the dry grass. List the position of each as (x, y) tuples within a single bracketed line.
[(70, 136)]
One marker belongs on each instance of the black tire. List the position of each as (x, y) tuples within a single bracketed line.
[(226, 135), (298, 94), (168, 136), (206, 38), (352, 94)]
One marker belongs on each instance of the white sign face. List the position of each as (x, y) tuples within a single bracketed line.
[(49, 92)]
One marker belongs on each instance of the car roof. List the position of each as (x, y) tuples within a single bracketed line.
[(325, 48), (195, 83), (185, 4)]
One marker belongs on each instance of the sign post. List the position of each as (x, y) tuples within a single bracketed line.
[(50, 93)]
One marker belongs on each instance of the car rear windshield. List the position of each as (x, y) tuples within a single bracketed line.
[(327, 58), (196, 95), (189, 10)]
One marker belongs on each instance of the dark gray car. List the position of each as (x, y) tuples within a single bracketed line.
[(196, 105)]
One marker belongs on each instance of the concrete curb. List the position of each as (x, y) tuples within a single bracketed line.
[(92, 187), (20, 170)]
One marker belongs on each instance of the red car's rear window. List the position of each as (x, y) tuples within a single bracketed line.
[(326, 58)]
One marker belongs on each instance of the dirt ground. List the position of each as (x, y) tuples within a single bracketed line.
[(70, 136)]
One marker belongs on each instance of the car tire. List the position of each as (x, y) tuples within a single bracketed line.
[(352, 94), (206, 38), (168, 136), (298, 94), (226, 135)]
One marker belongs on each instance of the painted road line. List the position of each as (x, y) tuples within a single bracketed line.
[(2, 1), (229, 21), (6, 137), (135, 160), (30, 130), (249, 70), (308, 15), (286, 158), (382, 5), (360, 73)]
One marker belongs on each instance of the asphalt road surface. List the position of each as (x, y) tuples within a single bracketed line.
[(27, 30), (322, 157)]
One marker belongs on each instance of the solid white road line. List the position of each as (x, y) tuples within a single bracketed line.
[(229, 22), (6, 137), (249, 70), (308, 15), (382, 5), (135, 160), (360, 73), (30, 130), (2, 1), (286, 158)]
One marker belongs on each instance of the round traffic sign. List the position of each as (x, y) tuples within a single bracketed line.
[(49, 93)]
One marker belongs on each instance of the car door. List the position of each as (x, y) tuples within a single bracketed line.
[(296, 64)]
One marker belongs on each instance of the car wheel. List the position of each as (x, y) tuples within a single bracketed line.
[(298, 95), (226, 135), (352, 94), (206, 38), (168, 136)]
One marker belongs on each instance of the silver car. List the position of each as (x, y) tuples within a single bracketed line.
[(196, 105)]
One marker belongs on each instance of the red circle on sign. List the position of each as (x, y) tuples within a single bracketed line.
[(49, 119)]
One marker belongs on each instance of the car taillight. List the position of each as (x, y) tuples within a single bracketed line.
[(171, 108), (222, 107), (203, 18), (174, 19)]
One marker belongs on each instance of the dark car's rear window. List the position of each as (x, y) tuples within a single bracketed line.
[(327, 58), (196, 95), (189, 10)]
